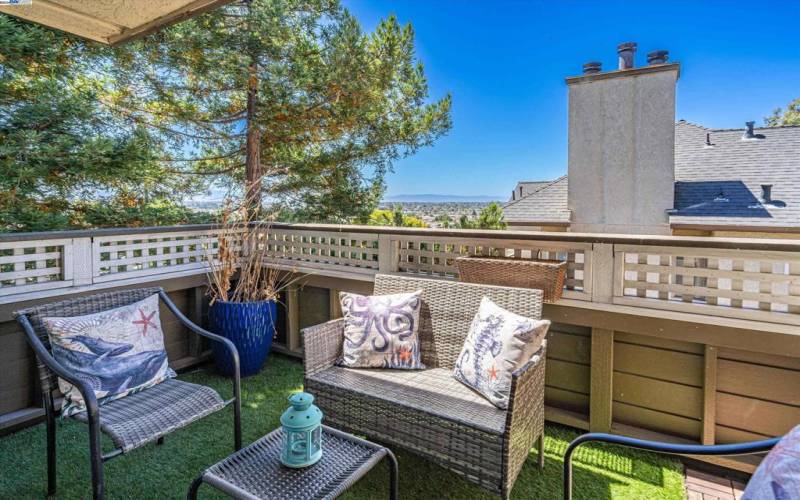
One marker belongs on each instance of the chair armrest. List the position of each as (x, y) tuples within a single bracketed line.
[(322, 345), (525, 417), (200, 331), (44, 356)]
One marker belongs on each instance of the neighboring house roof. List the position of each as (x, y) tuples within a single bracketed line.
[(721, 184), (546, 205), (524, 188), (718, 185)]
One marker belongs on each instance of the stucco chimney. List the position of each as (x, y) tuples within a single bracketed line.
[(622, 149)]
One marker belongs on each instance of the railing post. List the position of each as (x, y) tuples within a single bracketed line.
[(709, 395), (334, 305), (602, 267), (81, 265), (601, 394), (293, 341), (388, 253)]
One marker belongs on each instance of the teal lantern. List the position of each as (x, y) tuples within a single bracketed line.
[(302, 430)]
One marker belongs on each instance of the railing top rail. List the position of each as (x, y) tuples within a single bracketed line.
[(788, 245), (792, 245), (110, 231)]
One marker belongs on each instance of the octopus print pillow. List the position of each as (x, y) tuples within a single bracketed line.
[(116, 352), (381, 331), (498, 343)]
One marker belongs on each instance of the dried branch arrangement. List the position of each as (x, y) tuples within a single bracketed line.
[(236, 271)]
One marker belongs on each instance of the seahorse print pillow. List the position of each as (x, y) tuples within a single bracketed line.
[(117, 352), (381, 331), (498, 343)]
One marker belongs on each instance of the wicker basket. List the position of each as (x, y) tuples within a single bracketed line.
[(545, 275)]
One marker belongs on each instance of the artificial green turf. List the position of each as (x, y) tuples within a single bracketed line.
[(166, 471)]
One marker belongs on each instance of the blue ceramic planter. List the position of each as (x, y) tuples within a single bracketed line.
[(250, 326)]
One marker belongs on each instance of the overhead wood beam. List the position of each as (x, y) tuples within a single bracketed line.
[(87, 20)]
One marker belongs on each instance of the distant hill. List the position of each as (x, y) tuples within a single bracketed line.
[(439, 198)]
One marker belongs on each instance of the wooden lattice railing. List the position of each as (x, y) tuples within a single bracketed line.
[(28, 266), (138, 255), (740, 278), (737, 283)]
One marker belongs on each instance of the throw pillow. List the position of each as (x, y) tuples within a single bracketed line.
[(381, 331), (778, 475), (498, 343), (116, 352)]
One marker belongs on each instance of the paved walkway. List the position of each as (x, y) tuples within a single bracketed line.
[(705, 486)]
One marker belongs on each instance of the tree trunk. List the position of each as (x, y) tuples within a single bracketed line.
[(253, 147)]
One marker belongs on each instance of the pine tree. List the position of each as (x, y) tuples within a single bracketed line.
[(283, 97), (65, 160)]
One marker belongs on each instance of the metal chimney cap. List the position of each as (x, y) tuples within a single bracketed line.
[(749, 133), (657, 57), (592, 67), (766, 193), (626, 51)]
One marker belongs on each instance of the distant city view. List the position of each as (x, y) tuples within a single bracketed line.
[(438, 213)]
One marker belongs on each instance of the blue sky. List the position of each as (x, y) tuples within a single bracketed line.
[(505, 62)]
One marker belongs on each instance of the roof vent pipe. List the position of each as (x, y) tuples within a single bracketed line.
[(749, 133), (626, 52), (657, 57), (592, 67), (766, 193)]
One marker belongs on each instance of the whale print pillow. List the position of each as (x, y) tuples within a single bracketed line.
[(117, 352), (498, 343), (381, 331)]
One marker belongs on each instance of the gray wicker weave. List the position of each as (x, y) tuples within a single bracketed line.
[(427, 411), (255, 472), (132, 421)]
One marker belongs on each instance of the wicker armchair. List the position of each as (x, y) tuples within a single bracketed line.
[(134, 420), (429, 412)]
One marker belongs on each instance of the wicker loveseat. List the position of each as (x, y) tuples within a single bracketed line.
[(429, 412)]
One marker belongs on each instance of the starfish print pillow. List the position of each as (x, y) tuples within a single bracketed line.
[(381, 331), (116, 352), (498, 342)]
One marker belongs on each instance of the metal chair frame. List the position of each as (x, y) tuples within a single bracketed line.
[(97, 457), (748, 448)]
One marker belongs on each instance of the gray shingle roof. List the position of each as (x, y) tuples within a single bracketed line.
[(546, 205), (714, 186), (721, 184)]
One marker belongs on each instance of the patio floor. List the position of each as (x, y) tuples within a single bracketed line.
[(166, 471)]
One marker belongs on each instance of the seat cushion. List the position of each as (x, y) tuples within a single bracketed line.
[(145, 416), (433, 390)]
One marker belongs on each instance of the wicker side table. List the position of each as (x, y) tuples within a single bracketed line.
[(256, 472)]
